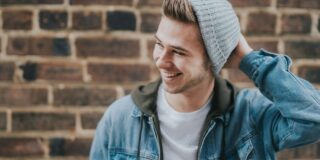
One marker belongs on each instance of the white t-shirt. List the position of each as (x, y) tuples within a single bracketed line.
[(180, 131)]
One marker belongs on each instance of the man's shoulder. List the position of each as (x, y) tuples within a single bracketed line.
[(122, 105)]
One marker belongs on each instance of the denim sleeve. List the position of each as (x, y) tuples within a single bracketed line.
[(292, 118)]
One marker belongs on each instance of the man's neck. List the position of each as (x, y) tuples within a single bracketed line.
[(191, 100)]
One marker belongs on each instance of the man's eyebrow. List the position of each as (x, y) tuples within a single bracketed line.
[(175, 47)]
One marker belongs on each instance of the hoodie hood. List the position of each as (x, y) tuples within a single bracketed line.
[(224, 94)]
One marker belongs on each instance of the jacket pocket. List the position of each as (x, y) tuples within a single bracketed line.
[(246, 151), (122, 154)]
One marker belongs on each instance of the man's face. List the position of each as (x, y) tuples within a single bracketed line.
[(180, 56)]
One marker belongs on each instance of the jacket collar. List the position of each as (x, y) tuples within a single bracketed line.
[(145, 98)]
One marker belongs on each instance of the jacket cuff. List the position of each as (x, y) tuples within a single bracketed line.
[(251, 62)]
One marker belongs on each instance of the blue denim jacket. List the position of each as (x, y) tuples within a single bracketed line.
[(284, 112)]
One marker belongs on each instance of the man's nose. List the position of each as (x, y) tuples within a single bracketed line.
[(164, 60)]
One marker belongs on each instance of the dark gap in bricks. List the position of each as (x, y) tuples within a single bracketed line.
[(56, 147), (121, 20), (29, 71), (61, 47)]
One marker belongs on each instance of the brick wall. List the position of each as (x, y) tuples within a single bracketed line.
[(63, 61)]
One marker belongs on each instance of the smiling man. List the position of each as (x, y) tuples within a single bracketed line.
[(192, 113)]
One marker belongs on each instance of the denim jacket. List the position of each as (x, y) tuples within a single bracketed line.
[(284, 112)]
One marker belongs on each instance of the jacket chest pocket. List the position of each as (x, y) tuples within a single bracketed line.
[(116, 155), (245, 151)]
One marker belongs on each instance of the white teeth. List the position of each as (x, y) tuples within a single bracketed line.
[(170, 75)]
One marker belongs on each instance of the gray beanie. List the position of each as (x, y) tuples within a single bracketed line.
[(219, 27)]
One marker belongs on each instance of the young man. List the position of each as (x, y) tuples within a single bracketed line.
[(191, 113)]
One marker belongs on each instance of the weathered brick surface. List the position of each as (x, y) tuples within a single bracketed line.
[(21, 147), (84, 96), (53, 19), (41, 46), (150, 22), (250, 3), (17, 20), (68, 147), (303, 49), (57, 71), (29, 2), (109, 73), (261, 23), (6, 71), (150, 3), (271, 46), (101, 2), (3, 122), (90, 120), (296, 24), (150, 48), (121, 20), (310, 73), (107, 47), (86, 20), (26, 96), (310, 151), (319, 25), (312, 4), (43, 121)]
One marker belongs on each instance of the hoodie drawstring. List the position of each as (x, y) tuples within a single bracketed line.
[(140, 134)]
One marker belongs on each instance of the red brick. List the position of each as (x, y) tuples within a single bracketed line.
[(21, 147), (86, 20), (121, 20), (150, 22), (310, 73), (296, 24), (107, 47), (17, 20), (112, 73), (303, 49), (59, 71), (90, 120), (70, 147), (319, 25), (82, 96), (305, 152), (261, 23), (42, 121), (150, 48), (3, 122), (236, 75), (150, 3), (41, 46), (52, 71), (271, 46), (14, 96), (53, 20), (6, 71), (250, 3), (101, 2), (29, 2), (312, 4)]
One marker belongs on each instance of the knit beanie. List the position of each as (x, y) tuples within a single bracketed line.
[(219, 27)]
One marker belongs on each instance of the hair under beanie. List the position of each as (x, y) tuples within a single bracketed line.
[(219, 27)]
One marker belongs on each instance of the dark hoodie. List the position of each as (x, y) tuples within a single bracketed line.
[(145, 98)]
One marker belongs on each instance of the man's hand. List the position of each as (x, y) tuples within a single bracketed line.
[(238, 53)]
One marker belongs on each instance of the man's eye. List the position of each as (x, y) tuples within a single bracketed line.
[(159, 45), (178, 53)]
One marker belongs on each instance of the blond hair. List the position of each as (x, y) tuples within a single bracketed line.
[(180, 10)]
